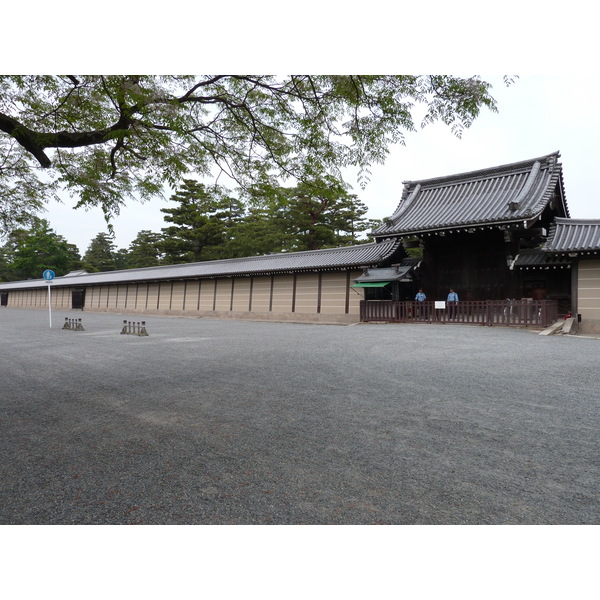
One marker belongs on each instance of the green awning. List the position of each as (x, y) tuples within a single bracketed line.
[(371, 283)]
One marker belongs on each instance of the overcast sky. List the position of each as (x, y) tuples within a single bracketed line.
[(538, 115)]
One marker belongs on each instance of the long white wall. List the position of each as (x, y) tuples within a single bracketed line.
[(61, 298), (305, 297)]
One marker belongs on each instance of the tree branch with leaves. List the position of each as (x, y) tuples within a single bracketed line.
[(109, 139)]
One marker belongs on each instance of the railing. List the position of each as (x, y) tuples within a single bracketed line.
[(518, 313)]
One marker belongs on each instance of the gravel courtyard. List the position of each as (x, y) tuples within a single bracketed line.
[(234, 422)]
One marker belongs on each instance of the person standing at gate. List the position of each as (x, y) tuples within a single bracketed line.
[(419, 298), (452, 301)]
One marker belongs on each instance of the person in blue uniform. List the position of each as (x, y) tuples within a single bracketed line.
[(420, 297), (452, 301)]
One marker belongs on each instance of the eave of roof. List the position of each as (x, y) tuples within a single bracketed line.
[(573, 236), (385, 274), (363, 255), (537, 259), (511, 194)]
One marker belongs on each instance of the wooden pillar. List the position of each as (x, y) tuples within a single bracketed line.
[(574, 287), (319, 290), (294, 293), (347, 308)]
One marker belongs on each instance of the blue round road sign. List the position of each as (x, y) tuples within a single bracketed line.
[(48, 275)]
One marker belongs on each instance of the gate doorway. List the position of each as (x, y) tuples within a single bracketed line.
[(78, 298), (4, 299)]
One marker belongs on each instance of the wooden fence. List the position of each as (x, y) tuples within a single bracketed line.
[(517, 313)]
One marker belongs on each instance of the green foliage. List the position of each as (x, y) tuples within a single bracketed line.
[(100, 255), (261, 231), (107, 139), (413, 247), (121, 258), (209, 224), (324, 214), (414, 252), (5, 270), (206, 223), (29, 252), (199, 223), (318, 212), (144, 251)]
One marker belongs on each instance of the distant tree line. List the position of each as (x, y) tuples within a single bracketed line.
[(205, 223)]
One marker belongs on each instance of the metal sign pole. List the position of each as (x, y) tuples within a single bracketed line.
[(49, 305), (48, 275)]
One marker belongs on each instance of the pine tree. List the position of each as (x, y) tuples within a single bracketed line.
[(144, 251), (199, 223), (100, 255), (317, 213)]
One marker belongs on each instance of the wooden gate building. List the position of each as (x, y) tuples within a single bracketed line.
[(472, 226)]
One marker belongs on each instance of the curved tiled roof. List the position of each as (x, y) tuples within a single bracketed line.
[(288, 262), (573, 235), (503, 194)]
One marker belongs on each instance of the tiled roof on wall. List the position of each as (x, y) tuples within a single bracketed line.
[(504, 194), (362, 255), (573, 235)]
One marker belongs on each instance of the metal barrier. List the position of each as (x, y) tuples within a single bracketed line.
[(133, 328), (509, 312), (73, 324)]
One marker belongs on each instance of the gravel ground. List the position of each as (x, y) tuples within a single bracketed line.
[(233, 422)]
